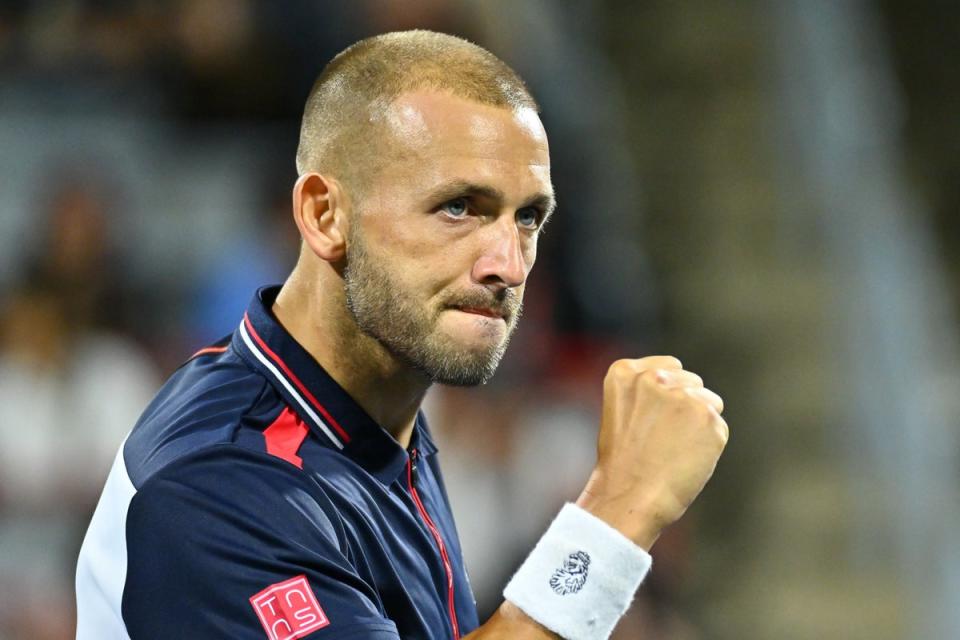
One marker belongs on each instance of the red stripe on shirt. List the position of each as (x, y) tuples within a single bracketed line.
[(207, 350), (303, 389), (285, 436)]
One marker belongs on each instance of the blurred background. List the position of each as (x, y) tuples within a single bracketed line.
[(767, 189)]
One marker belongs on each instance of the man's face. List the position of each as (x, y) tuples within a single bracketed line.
[(442, 243)]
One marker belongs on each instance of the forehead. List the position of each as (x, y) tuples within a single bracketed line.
[(438, 132)]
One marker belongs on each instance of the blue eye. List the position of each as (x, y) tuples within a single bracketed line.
[(528, 217), (456, 208)]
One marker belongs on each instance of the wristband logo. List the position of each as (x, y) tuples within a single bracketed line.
[(571, 577)]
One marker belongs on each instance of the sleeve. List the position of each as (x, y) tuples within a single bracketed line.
[(232, 543)]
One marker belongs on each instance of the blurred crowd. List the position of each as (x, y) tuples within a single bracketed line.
[(794, 240), (145, 172)]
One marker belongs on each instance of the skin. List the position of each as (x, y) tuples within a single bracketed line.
[(461, 271), (483, 258)]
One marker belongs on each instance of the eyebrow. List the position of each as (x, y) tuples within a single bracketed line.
[(461, 188)]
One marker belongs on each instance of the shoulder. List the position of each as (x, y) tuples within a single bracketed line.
[(232, 487), (208, 402)]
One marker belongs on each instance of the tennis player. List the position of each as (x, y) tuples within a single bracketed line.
[(283, 484)]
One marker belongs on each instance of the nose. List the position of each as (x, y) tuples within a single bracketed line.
[(502, 263)]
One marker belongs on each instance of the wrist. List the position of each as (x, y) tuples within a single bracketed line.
[(580, 577), (637, 517)]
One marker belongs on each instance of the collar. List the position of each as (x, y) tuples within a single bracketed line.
[(317, 398)]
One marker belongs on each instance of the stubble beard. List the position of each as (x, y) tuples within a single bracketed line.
[(381, 310)]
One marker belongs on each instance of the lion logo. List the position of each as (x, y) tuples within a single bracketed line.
[(570, 577)]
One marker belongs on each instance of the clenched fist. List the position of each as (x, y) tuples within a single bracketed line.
[(661, 435)]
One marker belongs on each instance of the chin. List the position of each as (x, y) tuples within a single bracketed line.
[(463, 364), (465, 371), (475, 331), (463, 349)]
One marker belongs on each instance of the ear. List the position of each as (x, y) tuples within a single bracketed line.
[(318, 211)]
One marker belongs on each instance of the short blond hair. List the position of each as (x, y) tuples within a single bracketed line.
[(340, 134)]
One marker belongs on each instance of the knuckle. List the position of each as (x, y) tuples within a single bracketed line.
[(618, 367), (701, 410), (717, 400), (652, 376), (723, 430), (611, 374), (710, 398), (675, 362), (678, 397), (717, 421), (662, 362), (696, 396), (621, 374)]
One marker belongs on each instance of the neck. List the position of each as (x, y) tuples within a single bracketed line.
[(313, 310)]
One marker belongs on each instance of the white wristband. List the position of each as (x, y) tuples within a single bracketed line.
[(580, 578)]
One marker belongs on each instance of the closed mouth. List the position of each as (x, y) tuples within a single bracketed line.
[(482, 311)]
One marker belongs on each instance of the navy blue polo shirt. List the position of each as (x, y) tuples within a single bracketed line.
[(255, 499)]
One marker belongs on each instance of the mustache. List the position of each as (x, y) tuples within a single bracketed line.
[(505, 302)]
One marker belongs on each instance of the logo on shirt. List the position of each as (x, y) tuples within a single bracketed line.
[(289, 610), (571, 577)]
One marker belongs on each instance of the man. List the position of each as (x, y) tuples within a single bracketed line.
[(283, 484)]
